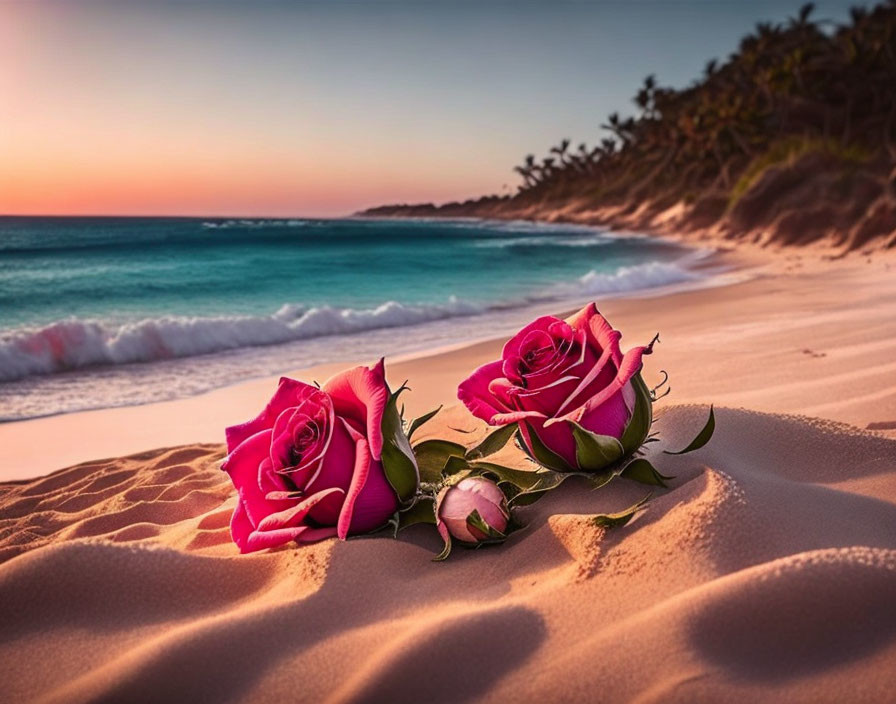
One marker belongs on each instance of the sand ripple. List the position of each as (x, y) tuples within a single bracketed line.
[(766, 571)]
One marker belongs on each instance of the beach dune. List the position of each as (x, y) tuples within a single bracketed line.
[(765, 571)]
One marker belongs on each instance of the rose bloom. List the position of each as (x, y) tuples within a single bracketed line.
[(555, 371), (455, 504), (309, 466)]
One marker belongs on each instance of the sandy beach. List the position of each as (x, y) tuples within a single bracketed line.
[(765, 570)]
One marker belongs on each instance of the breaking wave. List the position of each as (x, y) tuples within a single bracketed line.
[(624, 279), (77, 343), (74, 344)]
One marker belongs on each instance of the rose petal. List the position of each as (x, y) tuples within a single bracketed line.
[(475, 395), (580, 319), (240, 527), (260, 540), (243, 466), (359, 478), (335, 471), (516, 417), (371, 500), (361, 394), (606, 337), (247, 539), (289, 393), (513, 345), (564, 361), (339, 462), (376, 503), (602, 372), (269, 482), (295, 514), (631, 364), (313, 535), (547, 399), (557, 437), (315, 409), (610, 418)]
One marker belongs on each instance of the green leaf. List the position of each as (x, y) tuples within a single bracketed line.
[(492, 442), (641, 470), (423, 511), (417, 422), (638, 426), (474, 520), (432, 455), (399, 463), (542, 454), (615, 520), (702, 437), (595, 452)]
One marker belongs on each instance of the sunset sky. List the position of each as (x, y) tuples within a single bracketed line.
[(290, 108)]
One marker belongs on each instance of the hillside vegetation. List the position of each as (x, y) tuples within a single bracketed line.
[(791, 140)]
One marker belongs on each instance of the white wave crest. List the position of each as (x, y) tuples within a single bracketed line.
[(624, 279), (547, 241), (73, 343), (255, 224)]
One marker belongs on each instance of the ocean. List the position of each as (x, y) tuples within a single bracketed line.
[(100, 312)]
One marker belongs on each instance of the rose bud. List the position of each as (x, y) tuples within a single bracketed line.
[(311, 465), (569, 387), (474, 510)]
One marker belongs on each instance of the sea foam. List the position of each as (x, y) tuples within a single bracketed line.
[(74, 343)]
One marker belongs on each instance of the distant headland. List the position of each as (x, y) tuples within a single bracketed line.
[(790, 141)]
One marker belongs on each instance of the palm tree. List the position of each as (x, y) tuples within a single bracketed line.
[(560, 150), (790, 80)]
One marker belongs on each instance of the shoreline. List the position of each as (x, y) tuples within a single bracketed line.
[(100, 386), (686, 319)]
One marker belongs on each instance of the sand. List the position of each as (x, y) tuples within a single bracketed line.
[(766, 570)]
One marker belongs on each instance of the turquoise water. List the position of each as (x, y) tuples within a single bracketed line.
[(92, 306)]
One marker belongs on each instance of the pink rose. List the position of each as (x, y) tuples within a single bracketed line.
[(311, 465), (568, 386), (473, 510)]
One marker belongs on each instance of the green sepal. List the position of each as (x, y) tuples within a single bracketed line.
[(615, 520), (432, 455), (595, 452), (492, 442), (638, 428), (454, 466), (474, 520), (423, 511), (399, 463), (512, 482), (605, 477), (548, 480), (417, 422), (641, 470), (446, 551), (542, 454), (702, 437)]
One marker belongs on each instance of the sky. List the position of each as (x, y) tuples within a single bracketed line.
[(323, 108)]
